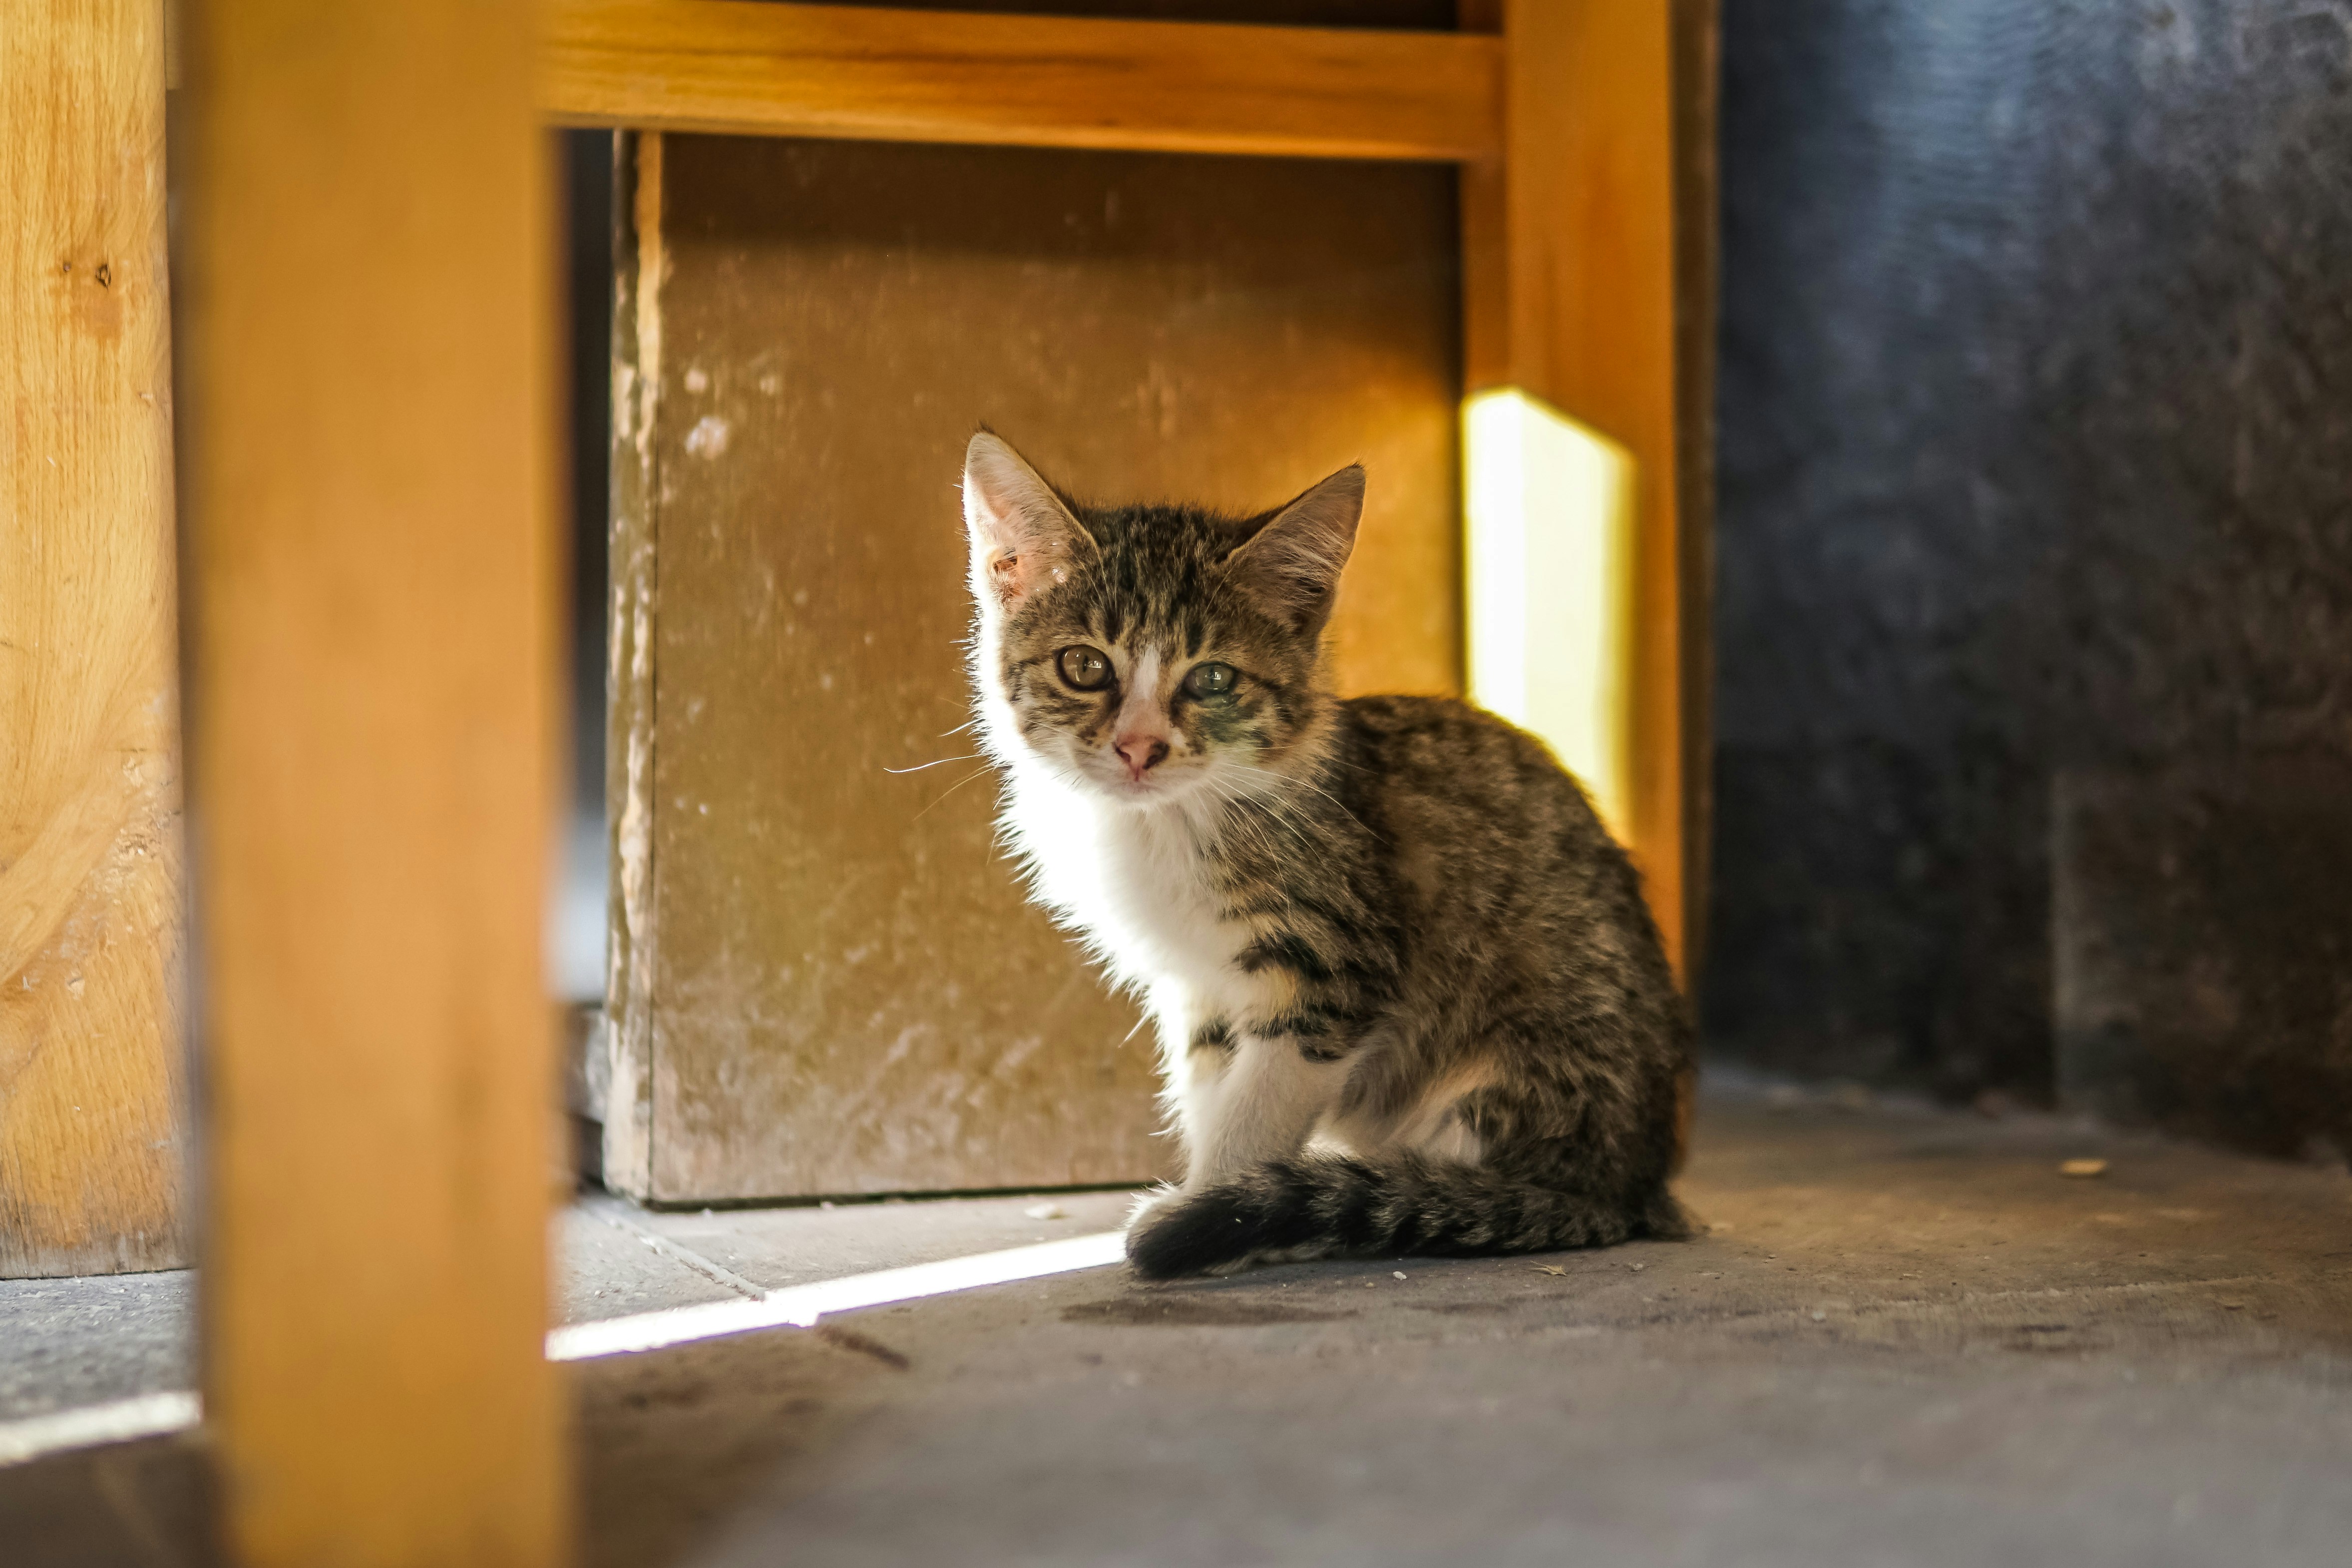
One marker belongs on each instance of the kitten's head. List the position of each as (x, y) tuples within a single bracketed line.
[(1150, 654)]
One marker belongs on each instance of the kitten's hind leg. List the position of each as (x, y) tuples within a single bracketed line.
[(1256, 1107)]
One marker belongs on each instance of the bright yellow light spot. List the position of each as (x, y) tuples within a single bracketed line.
[(1550, 511)]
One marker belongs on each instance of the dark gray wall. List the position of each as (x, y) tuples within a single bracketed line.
[(2035, 459), (587, 163)]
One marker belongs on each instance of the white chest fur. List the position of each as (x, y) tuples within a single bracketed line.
[(1134, 885), (1131, 883)]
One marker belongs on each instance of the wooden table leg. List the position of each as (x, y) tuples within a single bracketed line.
[(372, 591), (92, 1093)]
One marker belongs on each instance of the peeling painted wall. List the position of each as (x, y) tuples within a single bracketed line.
[(827, 980)]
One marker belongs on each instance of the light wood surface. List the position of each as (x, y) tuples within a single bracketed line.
[(92, 1115), (372, 586), (915, 76), (1570, 294)]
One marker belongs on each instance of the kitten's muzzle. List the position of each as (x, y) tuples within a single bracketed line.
[(1141, 753)]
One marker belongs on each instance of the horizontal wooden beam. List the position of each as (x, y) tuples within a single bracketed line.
[(747, 69)]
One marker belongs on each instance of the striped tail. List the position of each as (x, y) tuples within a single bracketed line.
[(1315, 1205)]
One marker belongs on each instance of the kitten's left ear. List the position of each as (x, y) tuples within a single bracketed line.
[(1022, 534), (1292, 564)]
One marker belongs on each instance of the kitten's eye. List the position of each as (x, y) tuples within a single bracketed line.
[(1210, 679), (1087, 669)]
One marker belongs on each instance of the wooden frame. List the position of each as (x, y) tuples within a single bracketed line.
[(370, 584), (1566, 115), (93, 1104), (372, 573), (746, 68)]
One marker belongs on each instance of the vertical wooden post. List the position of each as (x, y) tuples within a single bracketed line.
[(1569, 282), (372, 588), (91, 1087)]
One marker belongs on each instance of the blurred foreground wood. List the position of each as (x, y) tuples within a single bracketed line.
[(371, 583), (92, 1092)]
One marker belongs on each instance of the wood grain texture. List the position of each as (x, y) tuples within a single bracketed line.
[(372, 585), (862, 73), (1571, 294), (846, 992), (92, 1092)]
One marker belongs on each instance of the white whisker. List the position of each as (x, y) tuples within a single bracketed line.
[(950, 790), (918, 767)]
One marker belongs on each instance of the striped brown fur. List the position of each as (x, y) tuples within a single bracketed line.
[(1409, 995)]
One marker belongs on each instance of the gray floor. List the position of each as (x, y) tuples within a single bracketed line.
[(1909, 1340), (66, 1344), (71, 1342)]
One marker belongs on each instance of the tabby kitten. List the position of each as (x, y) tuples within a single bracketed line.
[(1408, 996)]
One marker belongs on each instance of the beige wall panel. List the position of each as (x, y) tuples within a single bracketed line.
[(849, 994), (92, 1093)]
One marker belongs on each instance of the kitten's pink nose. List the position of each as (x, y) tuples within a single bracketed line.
[(1143, 753)]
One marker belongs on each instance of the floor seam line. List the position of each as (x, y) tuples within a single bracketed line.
[(717, 1273)]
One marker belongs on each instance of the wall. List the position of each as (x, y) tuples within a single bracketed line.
[(830, 977), (2036, 488)]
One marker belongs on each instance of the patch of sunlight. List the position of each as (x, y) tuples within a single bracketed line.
[(1548, 506), (800, 1306)]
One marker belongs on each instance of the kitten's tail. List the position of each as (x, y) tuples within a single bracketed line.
[(1320, 1205)]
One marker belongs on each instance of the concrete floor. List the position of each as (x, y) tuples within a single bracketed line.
[(67, 1343), (1909, 1340)]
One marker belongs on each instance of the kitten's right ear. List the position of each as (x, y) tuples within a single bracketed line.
[(1021, 535), (1291, 565)]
